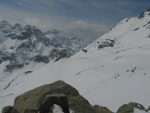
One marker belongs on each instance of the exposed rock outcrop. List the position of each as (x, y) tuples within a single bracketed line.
[(101, 109), (37, 99), (129, 108), (106, 43), (9, 109), (44, 98), (49, 102)]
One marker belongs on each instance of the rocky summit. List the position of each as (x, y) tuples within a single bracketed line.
[(55, 92)]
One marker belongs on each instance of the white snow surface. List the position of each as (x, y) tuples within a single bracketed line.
[(57, 109), (110, 76)]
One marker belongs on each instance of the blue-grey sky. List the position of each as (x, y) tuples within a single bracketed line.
[(85, 18)]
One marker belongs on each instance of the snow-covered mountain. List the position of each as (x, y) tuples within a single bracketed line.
[(21, 45), (112, 71)]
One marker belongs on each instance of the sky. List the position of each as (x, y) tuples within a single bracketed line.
[(84, 18)]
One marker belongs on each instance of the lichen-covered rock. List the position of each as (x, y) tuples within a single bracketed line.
[(101, 109), (9, 109), (33, 99), (50, 100), (47, 105), (129, 108)]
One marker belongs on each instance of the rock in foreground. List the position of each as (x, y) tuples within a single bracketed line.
[(45, 99), (34, 99), (129, 108), (9, 109), (101, 109)]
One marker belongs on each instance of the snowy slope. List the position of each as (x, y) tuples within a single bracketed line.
[(111, 71)]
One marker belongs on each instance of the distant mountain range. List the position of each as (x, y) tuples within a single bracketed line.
[(21, 45)]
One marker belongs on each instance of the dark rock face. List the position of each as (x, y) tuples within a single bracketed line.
[(50, 100), (9, 109), (148, 108), (59, 54), (27, 72), (41, 99), (48, 103), (62, 54), (39, 58), (143, 13), (100, 109), (11, 67), (106, 43), (129, 108), (4, 56), (84, 50)]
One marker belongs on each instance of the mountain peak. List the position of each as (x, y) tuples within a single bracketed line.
[(30, 28), (144, 13), (33, 30), (22, 44), (148, 10)]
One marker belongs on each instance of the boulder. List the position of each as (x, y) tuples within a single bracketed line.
[(47, 105), (129, 108), (42, 98), (9, 109), (101, 109)]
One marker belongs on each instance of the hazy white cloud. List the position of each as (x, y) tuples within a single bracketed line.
[(86, 25), (88, 19), (85, 29), (20, 4), (32, 21), (81, 28)]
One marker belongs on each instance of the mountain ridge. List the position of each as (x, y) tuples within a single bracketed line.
[(19, 45)]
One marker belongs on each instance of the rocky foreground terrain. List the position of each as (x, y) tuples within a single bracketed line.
[(41, 100)]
